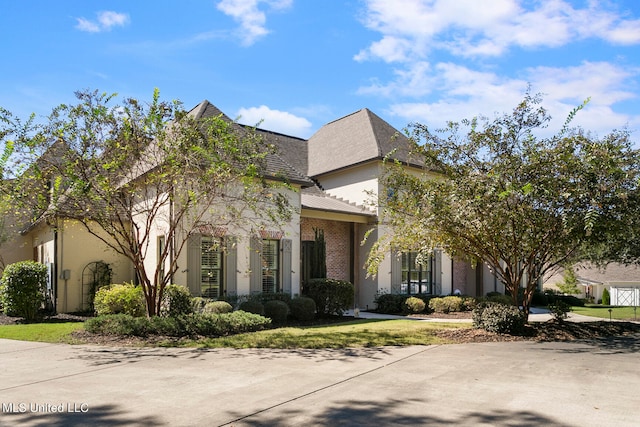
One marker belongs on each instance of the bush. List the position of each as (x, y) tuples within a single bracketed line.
[(198, 303), (217, 307), (389, 303), (23, 289), (450, 304), (265, 297), (499, 318), (303, 309), (255, 307), (414, 305), (276, 310), (176, 301), (570, 300), (560, 310), (606, 297), (331, 296), (210, 325), (498, 298), (120, 299), (539, 299)]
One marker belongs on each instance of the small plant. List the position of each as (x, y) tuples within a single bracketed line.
[(559, 310), (23, 289), (217, 307), (122, 298), (606, 297), (450, 304), (303, 309), (176, 301), (251, 306), (276, 310), (414, 305), (389, 303)]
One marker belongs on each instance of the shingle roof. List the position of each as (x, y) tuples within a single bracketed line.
[(277, 166), (359, 137)]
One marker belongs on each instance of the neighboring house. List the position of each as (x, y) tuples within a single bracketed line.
[(622, 282), (334, 178)]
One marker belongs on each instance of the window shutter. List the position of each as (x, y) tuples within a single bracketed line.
[(255, 265), (194, 263), (286, 266), (396, 272), (231, 266)]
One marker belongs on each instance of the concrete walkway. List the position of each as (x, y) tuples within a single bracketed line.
[(487, 384), (536, 315)]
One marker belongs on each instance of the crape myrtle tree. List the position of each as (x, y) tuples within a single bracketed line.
[(495, 192), (124, 170)]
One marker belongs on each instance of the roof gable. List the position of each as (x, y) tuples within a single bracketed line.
[(359, 137)]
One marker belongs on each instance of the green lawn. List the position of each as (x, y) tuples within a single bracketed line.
[(43, 332), (620, 313), (357, 333)]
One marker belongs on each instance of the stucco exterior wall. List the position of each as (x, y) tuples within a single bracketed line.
[(354, 183)]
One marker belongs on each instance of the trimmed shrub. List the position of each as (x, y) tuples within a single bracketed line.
[(23, 289), (210, 325), (198, 303), (448, 304), (217, 307), (176, 301), (389, 303), (265, 297), (572, 300), (468, 303), (276, 310), (560, 310), (497, 297), (303, 309), (606, 297), (414, 305), (255, 307), (539, 298), (499, 318), (331, 296), (122, 298)]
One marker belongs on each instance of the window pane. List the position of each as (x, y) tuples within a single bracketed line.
[(270, 265), (211, 285)]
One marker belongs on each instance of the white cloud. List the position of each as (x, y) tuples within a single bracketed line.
[(470, 28), (105, 20), (275, 120), (251, 18), (465, 93)]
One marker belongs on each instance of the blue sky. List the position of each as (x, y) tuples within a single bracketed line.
[(298, 64)]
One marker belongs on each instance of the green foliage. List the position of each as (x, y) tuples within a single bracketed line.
[(101, 278), (389, 303), (22, 289), (331, 296), (559, 310), (606, 297), (276, 310), (265, 297), (506, 197), (120, 299), (209, 325), (570, 283), (176, 301), (497, 297), (499, 318), (303, 308), (252, 306), (449, 304), (217, 307), (198, 303), (414, 305)]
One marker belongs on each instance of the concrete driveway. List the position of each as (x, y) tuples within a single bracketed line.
[(493, 384)]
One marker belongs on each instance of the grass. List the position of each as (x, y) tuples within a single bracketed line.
[(602, 311), (43, 332), (358, 333)]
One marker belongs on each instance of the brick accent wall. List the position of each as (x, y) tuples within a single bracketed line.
[(337, 238)]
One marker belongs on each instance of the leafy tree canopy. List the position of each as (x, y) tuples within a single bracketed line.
[(494, 191)]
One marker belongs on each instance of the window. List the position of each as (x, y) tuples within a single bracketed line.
[(211, 262), (161, 249), (270, 259), (416, 278)]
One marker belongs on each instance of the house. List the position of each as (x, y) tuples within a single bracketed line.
[(622, 282), (334, 179)]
